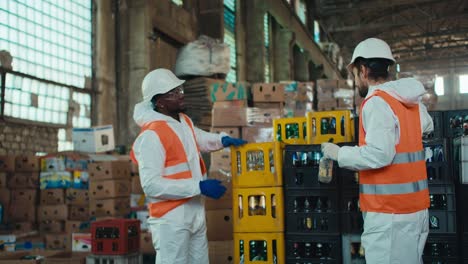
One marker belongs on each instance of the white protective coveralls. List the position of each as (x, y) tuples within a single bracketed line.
[(179, 236), (388, 238)]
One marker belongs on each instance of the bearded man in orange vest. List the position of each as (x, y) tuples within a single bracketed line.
[(394, 195), (172, 171)]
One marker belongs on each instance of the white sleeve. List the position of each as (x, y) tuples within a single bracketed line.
[(427, 125), (208, 141), (150, 154), (381, 128)]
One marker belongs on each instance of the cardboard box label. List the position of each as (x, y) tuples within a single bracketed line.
[(81, 242), (55, 180), (224, 91)]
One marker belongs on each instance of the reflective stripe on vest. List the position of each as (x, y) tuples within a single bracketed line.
[(176, 164), (400, 187)]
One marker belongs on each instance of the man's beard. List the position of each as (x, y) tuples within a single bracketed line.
[(363, 91)]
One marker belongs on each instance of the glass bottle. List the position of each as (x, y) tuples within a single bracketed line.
[(252, 205), (296, 253), (342, 128), (325, 174), (295, 159), (332, 126), (308, 250), (324, 126), (306, 205), (304, 159), (434, 222), (239, 166), (241, 209), (299, 179), (278, 133), (241, 251), (319, 250), (308, 223), (319, 205), (273, 206), (295, 206), (262, 206)]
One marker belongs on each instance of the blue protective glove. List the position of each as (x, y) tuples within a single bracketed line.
[(212, 188), (229, 141)]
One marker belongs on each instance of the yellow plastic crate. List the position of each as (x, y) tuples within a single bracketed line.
[(330, 126), (258, 209), (259, 248), (291, 130), (257, 165)]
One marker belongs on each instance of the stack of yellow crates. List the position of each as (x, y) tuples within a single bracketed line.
[(258, 203)]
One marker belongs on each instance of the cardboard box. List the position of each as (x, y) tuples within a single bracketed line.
[(24, 196), (23, 227), (53, 163), (94, 139), (4, 179), (262, 116), (221, 252), (22, 212), (108, 170), (55, 180), (51, 227), (67, 258), (27, 163), (109, 207), (136, 185), (146, 243), (52, 196), (224, 202), (7, 163), (230, 131), (77, 197), (219, 225), (220, 160), (268, 92), (81, 242), (59, 241), (24, 180), (80, 180), (228, 117), (77, 227), (78, 212), (52, 212), (5, 198), (109, 189), (258, 134)]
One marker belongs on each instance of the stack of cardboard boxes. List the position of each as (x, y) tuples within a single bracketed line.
[(109, 189), (335, 95)]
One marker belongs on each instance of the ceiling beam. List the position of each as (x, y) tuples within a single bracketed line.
[(345, 8), (386, 25), (438, 34)]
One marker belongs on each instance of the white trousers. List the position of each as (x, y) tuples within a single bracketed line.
[(176, 244), (395, 238)]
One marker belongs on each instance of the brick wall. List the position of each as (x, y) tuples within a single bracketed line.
[(27, 139)]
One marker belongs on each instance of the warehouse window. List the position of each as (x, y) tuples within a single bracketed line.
[(178, 2), (230, 37), (463, 83), (266, 29), (439, 85), (316, 31), (51, 46), (301, 11)]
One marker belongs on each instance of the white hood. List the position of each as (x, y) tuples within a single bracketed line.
[(406, 90), (143, 113)]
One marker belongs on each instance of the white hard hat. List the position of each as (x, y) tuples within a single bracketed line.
[(372, 48), (159, 81)]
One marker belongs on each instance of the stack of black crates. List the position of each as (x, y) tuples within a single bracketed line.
[(454, 126), (311, 209)]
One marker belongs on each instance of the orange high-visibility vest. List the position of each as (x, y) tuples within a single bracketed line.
[(176, 164), (400, 187)]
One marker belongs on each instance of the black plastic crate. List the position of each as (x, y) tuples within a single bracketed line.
[(438, 120), (464, 246), (347, 178), (351, 217), (312, 211), (442, 197), (435, 260), (301, 166), (441, 246), (454, 121), (313, 249), (353, 252), (438, 161), (459, 159), (442, 221)]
